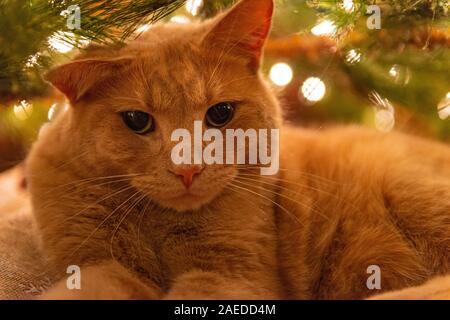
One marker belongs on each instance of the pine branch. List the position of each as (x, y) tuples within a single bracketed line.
[(27, 25)]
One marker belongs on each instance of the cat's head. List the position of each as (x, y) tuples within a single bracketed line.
[(127, 102)]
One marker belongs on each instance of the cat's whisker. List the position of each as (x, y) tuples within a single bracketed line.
[(62, 165), (141, 218), (299, 172), (102, 223), (286, 197), (231, 185), (108, 196), (253, 177), (124, 216), (81, 182), (68, 195)]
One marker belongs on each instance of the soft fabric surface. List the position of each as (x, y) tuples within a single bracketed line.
[(21, 263), (22, 267)]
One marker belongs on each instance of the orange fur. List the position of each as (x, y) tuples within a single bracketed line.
[(104, 198)]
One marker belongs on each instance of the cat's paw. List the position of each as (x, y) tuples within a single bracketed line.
[(104, 282)]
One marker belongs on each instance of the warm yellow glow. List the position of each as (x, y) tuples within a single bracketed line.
[(384, 120), (32, 61), (56, 42), (324, 28), (194, 6), (281, 74), (23, 110), (444, 107), (51, 112), (348, 5), (313, 89), (400, 74), (393, 72), (180, 19), (143, 28), (353, 56)]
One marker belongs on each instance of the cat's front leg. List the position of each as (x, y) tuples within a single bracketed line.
[(106, 281), (207, 285)]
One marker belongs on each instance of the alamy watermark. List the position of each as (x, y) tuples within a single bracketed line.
[(374, 280), (73, 281), (73, 15), (229, 149)]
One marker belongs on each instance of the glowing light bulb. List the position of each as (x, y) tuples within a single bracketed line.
[(400, 74), (313, 89), (384, 112), (52, 112), (281, 74), (384, 120), (143, 28), (56, 42), (348, 5), (353, 56), (32, 61), (180, 19), (444, 107), (324, 28), (194, 6), (23, 110)]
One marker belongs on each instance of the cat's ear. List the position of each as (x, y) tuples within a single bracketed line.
[(243, 30), (76, 78)]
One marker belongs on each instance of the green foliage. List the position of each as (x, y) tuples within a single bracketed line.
[(26, 25)]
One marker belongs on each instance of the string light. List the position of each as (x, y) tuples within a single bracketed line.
[(324, 28), (143, 28), (353, 56), (52, 112), (384, 112), (281, 74), (444, 107), (384, 120), (32, 60), (313, 89), (348, 5), (23, 110), (400, 74), (180, 19), (194, 6), (56, 42)]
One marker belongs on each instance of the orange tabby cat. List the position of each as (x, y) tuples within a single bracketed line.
[(107, 196)]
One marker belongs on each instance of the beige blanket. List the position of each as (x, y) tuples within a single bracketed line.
[(22, 267)]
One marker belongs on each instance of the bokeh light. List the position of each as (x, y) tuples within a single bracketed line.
[(143, 28), (57, 43), (180, 19), (348, 5), (444, 107), (353, 56), (400, 74), (194, 6), (324, 28), (313, 89), (281, 74), (23, 110)]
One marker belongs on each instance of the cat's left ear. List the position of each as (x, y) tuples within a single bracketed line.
[(77, 78), (243, 30)]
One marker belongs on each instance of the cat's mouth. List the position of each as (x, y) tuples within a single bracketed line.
[(186, 201)]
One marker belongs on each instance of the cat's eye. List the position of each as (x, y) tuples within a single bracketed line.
[(138, 121), (219, 115)]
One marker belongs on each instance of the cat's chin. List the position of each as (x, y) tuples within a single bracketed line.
[(186, 202)]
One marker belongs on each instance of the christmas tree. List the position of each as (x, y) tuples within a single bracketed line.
[(384, 64)]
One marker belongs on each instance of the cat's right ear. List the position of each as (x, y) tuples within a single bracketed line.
[(76, 78), (242, 30)]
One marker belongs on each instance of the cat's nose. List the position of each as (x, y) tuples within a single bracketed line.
[(187, 173)]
